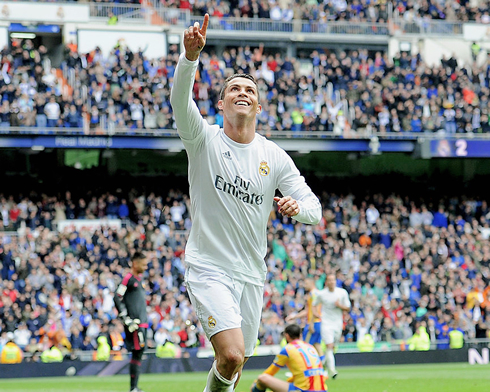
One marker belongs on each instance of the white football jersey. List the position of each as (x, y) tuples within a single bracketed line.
[(331, 314), (232, 187)]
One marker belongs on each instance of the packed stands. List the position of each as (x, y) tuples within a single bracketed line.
[(357, 10), (404, 263), (347, 94)]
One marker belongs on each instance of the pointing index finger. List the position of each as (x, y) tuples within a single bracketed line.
[(205, 24)]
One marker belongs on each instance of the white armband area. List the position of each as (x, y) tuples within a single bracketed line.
[(121, 290)]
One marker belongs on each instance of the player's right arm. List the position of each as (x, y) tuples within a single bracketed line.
[(344, 302), (119, 297), (302, 313), (279, 362), (187, 116), (272, 370), (119, 301)]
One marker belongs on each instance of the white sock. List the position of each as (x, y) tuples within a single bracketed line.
[(330, 360), (217, 383)]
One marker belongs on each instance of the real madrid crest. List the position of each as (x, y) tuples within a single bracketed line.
[(264, 169), (5, 11), (61, 13), (211, 322)]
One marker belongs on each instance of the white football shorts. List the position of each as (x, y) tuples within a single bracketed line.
[(331, 334), (223, 303)]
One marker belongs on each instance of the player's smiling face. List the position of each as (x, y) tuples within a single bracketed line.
[(241, 97)]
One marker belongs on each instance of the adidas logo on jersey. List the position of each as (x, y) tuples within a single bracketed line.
[(227, 155)]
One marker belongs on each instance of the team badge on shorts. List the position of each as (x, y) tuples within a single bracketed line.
[(211, 322), (264, 169)]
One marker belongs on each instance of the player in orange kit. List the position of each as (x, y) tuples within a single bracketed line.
[(301, 359), (312, 331)]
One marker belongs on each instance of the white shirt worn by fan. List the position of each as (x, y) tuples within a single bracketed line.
[(232, 187)]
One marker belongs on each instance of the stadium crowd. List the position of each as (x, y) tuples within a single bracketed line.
[(342, 10), (348, 93), (404, 264)]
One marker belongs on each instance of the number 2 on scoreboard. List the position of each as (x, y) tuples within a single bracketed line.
[(461, 148)]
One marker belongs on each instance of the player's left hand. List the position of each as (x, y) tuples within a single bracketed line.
[(287, 206), (195, 39)]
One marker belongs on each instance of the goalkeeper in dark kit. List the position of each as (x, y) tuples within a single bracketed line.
[(130, 301)]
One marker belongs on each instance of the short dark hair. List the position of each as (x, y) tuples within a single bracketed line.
[(234, 76), (138, 256), (293, 330)]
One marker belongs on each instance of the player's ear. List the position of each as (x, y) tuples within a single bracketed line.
[(220, 104), (259, 108)]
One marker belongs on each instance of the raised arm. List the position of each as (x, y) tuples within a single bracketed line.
[(187, 116)]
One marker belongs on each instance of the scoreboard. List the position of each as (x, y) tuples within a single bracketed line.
[(458, 148)]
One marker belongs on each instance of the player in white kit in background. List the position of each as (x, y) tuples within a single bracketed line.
[(233, 176), (334, 301)]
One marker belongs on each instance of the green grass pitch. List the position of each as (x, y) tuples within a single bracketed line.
[(459, 377)]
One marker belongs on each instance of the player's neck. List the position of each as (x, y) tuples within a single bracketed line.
[(243, 133)]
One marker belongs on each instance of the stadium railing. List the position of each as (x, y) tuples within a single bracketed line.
[(399, 26), (295, 26), (178, 17), (139, 14), (396, 25)]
